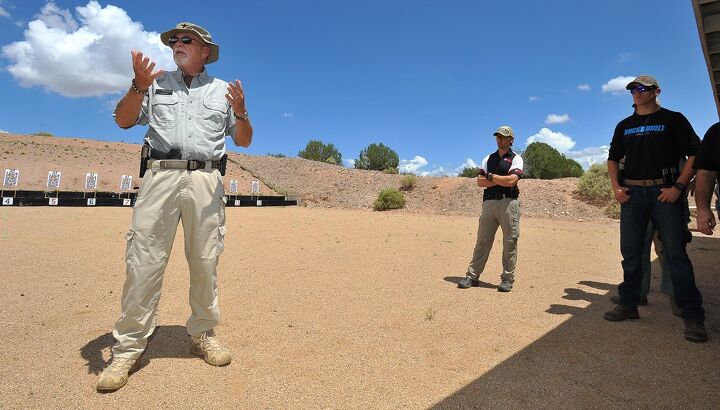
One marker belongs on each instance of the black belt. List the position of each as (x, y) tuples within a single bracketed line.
[(499, 196)]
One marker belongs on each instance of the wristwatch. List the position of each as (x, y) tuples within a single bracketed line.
[(242, 117), (680, 186)]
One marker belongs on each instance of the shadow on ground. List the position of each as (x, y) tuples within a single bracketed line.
[(456, 279), (587, 362), (166, 341)]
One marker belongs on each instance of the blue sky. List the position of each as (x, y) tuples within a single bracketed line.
[(430, 79)]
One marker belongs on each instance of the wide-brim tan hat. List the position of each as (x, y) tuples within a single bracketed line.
[(505, 131), (199, 31), (645, 80)]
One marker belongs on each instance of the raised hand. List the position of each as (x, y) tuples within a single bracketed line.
[(236, 97), (143, 68)]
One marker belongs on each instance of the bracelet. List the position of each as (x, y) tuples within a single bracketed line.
[(242, 117), (135, 88)]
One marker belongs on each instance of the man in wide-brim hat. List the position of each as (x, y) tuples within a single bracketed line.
[(188, 114)]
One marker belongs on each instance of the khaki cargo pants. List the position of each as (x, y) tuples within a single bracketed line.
[(506, 214), (165, 197)]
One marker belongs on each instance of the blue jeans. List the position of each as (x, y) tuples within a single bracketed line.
[(670, 221), (665, 283)]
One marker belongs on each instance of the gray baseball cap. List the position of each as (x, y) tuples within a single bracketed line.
[(505, 131), (646, 80), (199, 31)]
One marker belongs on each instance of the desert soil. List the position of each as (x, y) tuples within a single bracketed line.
[(333, 305)]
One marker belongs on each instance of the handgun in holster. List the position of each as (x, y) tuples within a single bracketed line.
[(223, 165), (144, 156)]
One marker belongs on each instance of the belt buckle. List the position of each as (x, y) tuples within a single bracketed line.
[(193, 165)]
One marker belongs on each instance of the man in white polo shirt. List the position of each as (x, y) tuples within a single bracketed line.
[(188, 114)]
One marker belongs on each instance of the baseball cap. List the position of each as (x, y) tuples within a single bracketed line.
[(186, 27), (505, 131), (646, 80)]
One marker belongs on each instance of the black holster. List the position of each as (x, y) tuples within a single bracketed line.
[(144, 156), (223, 165)]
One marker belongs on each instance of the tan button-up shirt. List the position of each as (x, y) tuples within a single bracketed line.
[(194, 119)]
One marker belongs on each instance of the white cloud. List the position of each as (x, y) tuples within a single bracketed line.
[(583, 87), (469, 163), (287, 114), (533, 98), (589, 156), (350, 163), (412, 165), (623, 57), (82, 56), (4, 13), (557, 119), (4, 132), (557, 140), (617, 85)]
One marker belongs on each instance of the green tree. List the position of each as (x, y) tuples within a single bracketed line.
[(545, 162), (377, 157), (470, 172), (318, 151), (389, 198)]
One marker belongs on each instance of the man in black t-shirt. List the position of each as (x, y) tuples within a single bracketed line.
[(707, 164), (499, 175), (653, 140)]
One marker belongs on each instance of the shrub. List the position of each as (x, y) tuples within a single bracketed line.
[(277, 155), (612, 210), (595, 184), (407, 182), (545, 162), (390, 171), (389, 198), (377, 157), (470, 172), (318, 151), (42, 134)]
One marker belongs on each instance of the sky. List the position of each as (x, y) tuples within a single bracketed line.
[(432, 80)]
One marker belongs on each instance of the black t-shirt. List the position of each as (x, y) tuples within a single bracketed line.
[(708, 156), (653, 142)]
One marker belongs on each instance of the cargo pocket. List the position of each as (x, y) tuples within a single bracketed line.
[(221, 227), (514, 210), (130, 247)]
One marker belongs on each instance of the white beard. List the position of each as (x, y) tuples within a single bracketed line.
[(180, 59)]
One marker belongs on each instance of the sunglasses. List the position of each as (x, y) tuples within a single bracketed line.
[(641, 89), (184, 40)]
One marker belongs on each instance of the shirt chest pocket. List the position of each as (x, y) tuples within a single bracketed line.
[(164, 110), (211, 115)]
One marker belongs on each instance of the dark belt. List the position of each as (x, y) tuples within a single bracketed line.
[(190, 165), (499, 196), (643, 182)]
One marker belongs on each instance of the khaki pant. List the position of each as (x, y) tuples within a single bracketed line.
[(506, 214), (165, 197)]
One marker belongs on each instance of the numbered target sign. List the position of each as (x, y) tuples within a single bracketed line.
[(52, 201), (91, 179), (233, 186), (91, 201), (237, 202), (7, 200), (54, 179), (127, 201), (259, 202), (12, 176), (126, 182), (255, 187)]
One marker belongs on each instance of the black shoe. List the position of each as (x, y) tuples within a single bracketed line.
[(505, 286), (616, 300), (468, 282), (695, 331), (620, 313)]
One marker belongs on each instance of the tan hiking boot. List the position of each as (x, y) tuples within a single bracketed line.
[(116, 374), (207, 346)]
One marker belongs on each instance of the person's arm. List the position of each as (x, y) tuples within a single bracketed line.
[(671, 194), (128, 108), (243, 128), (508, 181), (704, 184), (619, 192)]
